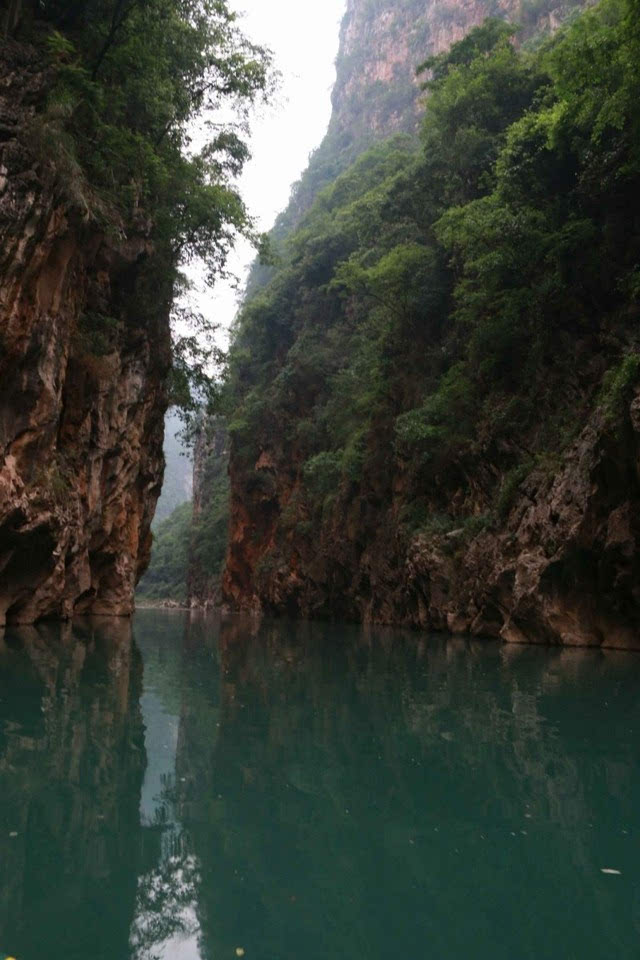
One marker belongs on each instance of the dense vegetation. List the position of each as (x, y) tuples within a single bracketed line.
[(166, 578), (128, 80), (210, 527), (190, 544), (456, 310)]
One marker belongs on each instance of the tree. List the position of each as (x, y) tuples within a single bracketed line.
[(117, 137)]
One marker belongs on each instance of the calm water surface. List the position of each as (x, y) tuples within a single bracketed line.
[(189, 789)]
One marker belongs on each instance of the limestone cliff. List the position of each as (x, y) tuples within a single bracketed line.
[(528, 528), (563, 567), (377, 92), (82, 370)]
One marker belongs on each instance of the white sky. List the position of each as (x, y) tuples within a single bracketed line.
[(303, 35)]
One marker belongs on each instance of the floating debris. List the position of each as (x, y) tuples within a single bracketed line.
[(13, 834), (239, 952), (611, 871)]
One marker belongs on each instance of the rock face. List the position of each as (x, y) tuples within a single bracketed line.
[(377, 92), (565, 569), (562, 568), (381, 44), (81, 372), (559, 564)]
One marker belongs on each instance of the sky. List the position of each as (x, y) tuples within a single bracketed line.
[(303, 37)]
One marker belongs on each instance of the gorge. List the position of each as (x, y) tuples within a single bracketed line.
[(431, 408), (357, 677)]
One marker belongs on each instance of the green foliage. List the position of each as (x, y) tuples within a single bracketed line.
[(166, 578), (97, 334), (432, 309), (478, 89), (418, 519), (479, 43), (509, 487), (617, 385), (115, 140), (210, 529), (322, 473)]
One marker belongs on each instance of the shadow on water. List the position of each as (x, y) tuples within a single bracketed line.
[(313, 790)]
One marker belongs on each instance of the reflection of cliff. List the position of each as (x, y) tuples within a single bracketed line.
[(71, 763), (355, 800)]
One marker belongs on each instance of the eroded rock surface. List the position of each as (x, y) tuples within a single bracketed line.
[(562, 568), (81, 383)]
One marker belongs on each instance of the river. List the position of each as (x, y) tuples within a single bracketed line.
[(207, 788)]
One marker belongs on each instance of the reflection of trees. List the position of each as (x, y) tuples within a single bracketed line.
[(368, 795), (169, 880), (71, 763), (165, 899)]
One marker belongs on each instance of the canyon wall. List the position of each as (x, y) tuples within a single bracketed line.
[(528, 528), (377, 91), (382, 43), (562, 567), (82, 372)]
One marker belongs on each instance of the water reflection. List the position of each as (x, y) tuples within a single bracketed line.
[(305, 790), (370, 796), (71, 766)]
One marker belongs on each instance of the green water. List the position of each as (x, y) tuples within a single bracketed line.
[(299, 791)]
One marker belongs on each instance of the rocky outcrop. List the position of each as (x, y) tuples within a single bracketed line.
[(82, 368), (563, 567)]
